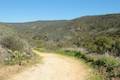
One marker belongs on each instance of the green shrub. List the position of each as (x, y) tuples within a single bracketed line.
[(107, 65), (76, 54), (108, 61), (70, 53), (103, 44), (91, 47)]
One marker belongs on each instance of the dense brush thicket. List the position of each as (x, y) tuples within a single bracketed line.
[(104, 44), (13, 49), (99, 34)]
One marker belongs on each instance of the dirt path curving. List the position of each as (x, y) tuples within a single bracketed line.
[(54, 67)]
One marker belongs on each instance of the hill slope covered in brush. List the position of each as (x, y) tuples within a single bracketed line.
[(78, 32)]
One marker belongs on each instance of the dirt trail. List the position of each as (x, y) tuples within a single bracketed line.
[(54, 67)]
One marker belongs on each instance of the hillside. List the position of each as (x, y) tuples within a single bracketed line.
[(64, 33), (77, 32), (98, 35)]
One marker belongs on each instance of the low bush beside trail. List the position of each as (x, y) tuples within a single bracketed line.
[(14, 50), (108, 66)]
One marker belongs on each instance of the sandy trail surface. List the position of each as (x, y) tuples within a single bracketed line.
[(54, 67)]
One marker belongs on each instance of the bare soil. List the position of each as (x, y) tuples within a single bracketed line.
[(54, 67)]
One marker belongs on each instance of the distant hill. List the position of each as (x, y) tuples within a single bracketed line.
[(69, 33)]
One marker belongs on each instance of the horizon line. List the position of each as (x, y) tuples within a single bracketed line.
[(38, 20)]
